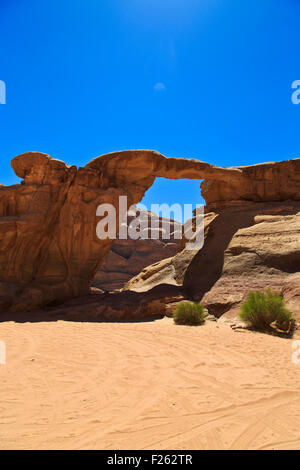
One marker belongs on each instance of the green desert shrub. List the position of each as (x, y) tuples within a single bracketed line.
[(189, 313), (262, 308)]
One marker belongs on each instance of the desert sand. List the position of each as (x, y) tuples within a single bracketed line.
[(150, 385)]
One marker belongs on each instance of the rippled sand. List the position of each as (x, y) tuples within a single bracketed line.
[(153, 385)]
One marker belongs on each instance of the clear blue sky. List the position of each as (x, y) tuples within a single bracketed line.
[(207, 79)]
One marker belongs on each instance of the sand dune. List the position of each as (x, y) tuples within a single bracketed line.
[(149, 385)]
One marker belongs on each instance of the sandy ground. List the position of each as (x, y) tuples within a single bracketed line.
[(149, 385)]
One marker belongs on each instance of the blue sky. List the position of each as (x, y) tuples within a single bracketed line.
[(207, 79)]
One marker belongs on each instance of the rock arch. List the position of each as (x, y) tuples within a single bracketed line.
[(49, 250)]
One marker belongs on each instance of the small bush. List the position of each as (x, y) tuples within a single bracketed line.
[(189, 313), (264, 308)]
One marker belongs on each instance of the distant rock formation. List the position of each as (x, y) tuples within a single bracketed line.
[(49, 249), (128, 257)]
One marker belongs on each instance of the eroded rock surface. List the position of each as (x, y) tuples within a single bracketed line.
[(49, 249), (248, 246), (128, 257)]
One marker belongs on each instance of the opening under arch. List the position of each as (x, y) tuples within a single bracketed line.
[(170, 191)]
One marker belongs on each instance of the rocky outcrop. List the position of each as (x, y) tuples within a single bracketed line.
[(120, 306), (248, 246), (128, 257), (253, 246), (49, 249)]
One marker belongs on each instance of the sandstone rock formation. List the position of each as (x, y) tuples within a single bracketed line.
[(128, 257), (50, 252), (248, 246)]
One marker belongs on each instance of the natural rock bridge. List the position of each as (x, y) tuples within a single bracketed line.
[(49, 249)]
